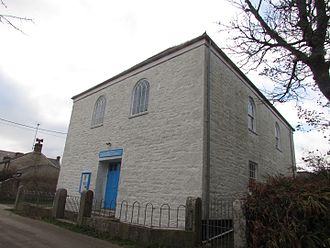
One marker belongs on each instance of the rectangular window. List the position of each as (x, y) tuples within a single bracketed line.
[(85, 180), (251, 122), (253, 170)]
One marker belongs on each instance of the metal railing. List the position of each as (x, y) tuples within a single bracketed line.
[(217, 230), (72, 203), (99, 209), (38, 198), (7, 197), (149, 215)]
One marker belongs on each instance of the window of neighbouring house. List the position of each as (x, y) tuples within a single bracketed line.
[(251, 115), (253, 170), (140, 97), (277, 136), (99, 109)]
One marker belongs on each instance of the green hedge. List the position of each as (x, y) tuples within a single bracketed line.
[(288, 212)]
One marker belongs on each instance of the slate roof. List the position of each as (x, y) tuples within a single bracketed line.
[(15, 155), (9, 154), (32, 159), (55, 162)]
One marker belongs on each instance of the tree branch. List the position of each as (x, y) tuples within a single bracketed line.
[(3, 3), (303, 22), (289, 84), (272, 33), (7, 20)]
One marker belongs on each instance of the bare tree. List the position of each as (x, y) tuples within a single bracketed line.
[(318, 162), (11, 19), (289, 39)]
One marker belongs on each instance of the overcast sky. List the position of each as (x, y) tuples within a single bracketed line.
[(76, 44)]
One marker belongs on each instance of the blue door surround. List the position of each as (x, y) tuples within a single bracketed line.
[(111, 190), (117, 152)]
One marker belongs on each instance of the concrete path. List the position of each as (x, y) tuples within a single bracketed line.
[(18, 232)]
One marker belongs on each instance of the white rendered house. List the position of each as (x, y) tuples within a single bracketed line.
[(185, 122)]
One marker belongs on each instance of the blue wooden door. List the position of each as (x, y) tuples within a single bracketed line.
[(112, 185)]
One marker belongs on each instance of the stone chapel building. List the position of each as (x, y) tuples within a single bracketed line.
[(185, 122)]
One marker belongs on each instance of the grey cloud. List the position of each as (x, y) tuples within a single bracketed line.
[(17, 106)]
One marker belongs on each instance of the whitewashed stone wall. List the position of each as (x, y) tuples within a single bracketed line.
[(164, 159), (232, 143), (163, 149)]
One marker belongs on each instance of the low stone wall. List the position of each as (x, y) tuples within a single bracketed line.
[(35, 211), (8, 190), (142, 235), (145, 236), (71, 216)]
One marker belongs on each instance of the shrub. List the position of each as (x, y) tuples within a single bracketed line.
[(289, 212)]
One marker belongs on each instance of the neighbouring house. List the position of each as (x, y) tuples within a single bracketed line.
[(6, 156), (185, 122), (9, 155), (33, 170)]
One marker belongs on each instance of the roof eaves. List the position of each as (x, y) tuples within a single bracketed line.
[(54, 162), (235, 67), (179, 47)]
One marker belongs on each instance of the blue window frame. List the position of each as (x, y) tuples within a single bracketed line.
[(85, 180)]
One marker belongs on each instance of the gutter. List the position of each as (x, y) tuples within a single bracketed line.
[(293, 158), (206, 135)]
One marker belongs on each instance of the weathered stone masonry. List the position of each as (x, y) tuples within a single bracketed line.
[(194, 139)]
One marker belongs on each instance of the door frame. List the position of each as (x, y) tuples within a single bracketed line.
[(105, 157), (110, 185)]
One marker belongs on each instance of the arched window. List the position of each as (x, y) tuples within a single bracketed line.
[(251, 114), (98, 114), (140, 97), (277, 136)]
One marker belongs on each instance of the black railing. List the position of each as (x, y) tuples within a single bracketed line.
[(38, 198), (217, 230), (7, 197), (163, 216), (147, 214), (72, 203), (99, 209)]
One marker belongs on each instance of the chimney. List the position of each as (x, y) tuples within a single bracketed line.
[(18, 154), (38, 145)]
